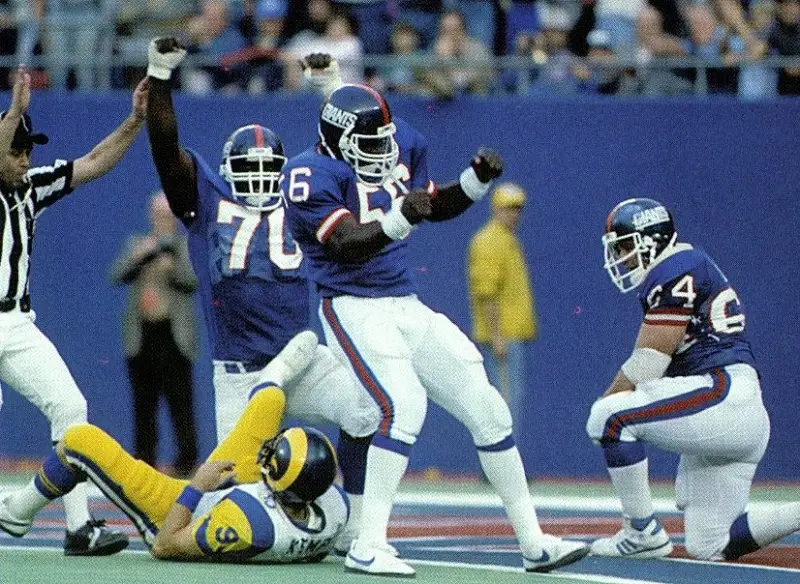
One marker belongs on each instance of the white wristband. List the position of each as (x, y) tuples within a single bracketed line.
[(395, 225), (645, 364), (326, 81), (472, 186), (162, 73)]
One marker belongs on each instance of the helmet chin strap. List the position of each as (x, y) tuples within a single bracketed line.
[(324, 144)]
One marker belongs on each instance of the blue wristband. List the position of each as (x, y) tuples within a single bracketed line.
[(190, 498)]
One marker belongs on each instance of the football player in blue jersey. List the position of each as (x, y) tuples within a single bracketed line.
[(252, 286), (354, 199), (690, 386), (281, 507)]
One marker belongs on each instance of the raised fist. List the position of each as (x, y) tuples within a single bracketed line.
[(322, 72), (163, 55), (316, 61), (416, 206), (487, 164)]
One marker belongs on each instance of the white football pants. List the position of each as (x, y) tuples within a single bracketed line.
[(404, 353), (716, 422), (326, 393)]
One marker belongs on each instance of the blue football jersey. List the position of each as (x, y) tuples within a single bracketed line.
[(322, 191), (688, 287), (252, 285)]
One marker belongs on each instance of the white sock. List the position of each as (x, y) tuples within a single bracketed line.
[(769, 525), (507, 475), (25, 503), (633, 489), (385, 470), (76, 506), (353, 523)]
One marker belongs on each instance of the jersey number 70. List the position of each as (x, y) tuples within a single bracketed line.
[(249, 221)]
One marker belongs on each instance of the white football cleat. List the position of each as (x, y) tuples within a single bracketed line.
[(554, 553), (651, 542), (10, 524), (293, 359), (345, 541), (369, 558)]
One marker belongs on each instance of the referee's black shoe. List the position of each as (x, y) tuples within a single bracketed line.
[(94, 539)]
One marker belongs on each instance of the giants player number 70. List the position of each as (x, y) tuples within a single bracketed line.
[(250, 220)]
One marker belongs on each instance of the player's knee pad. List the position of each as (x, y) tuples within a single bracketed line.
[(403, 418), (490, 419), (84, 438), (268, 401), (596, 422), (599, 418), (702, 545), (363, 422)]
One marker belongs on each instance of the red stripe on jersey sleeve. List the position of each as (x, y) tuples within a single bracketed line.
[(664, 322), (670, 310)]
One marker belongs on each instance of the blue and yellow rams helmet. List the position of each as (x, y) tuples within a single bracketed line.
[(298, 464)]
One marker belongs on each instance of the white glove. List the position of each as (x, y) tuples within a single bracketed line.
[(325, 80), (160, 65)]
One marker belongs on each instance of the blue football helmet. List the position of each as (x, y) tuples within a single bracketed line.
[(637, 232), (298, 464), (252, 160), (355, 125)]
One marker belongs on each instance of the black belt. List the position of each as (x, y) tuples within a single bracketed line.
[(9, 304)]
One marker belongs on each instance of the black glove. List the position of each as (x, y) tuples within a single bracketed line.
[(416, 206), (316, 61), (487, 163)]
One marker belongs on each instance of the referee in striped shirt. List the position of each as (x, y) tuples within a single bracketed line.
[(29, 363)]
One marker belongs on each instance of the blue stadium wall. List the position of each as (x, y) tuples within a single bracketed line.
[(729, 170)]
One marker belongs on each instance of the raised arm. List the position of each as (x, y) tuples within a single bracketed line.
[(111, 149), (353, 242), (451, 200), (20, 99), (175, 167)]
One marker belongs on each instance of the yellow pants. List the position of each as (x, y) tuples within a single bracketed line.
[(146, 495)]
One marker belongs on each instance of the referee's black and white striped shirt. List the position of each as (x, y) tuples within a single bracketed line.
[(19, 209)]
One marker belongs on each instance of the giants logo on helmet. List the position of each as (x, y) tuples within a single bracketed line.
[(649, 217), (337, 117)]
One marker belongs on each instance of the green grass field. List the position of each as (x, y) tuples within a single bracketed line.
[(50, 567), (23, 565)]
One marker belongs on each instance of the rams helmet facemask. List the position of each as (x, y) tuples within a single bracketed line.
[(252, 160), (638, 231), (298, 464), (355, 125)]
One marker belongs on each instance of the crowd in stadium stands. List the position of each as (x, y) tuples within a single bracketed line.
[(442, 47)]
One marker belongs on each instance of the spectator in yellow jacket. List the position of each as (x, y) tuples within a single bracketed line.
[(503, 314)]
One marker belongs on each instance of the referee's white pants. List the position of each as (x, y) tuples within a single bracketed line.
[(717, 423), (404, 353), (31, 365)]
